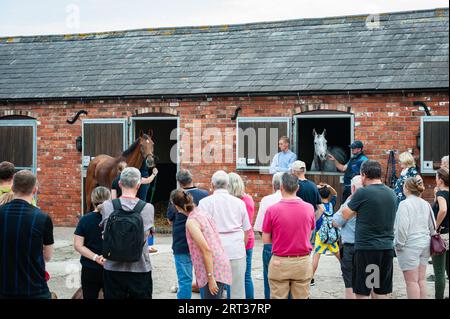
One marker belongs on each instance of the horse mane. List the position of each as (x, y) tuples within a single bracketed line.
[(339, 153), (133, 146), (131, 149)]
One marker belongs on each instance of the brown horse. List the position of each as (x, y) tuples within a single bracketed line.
[(103, 168)]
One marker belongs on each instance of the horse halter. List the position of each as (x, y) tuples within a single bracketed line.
[(149, 158), (150, 161)]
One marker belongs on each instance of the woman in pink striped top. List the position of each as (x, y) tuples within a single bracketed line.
[(236, 188), (211, 264)]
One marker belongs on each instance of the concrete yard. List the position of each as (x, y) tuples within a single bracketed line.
[(65, 267)]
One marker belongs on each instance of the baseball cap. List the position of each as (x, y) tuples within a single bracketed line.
[(297, 165), (356, 144)]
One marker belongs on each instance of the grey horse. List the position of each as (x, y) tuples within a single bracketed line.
[(321, 150)]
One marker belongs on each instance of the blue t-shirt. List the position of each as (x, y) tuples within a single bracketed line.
[(329, 211), (179, 244), (88, 227), (353, 168)]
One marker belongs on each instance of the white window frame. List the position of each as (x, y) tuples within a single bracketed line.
[(258, 120), (424, 119), (105, 121), (33, 124)]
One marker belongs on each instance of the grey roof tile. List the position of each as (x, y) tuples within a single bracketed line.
[(408, 51)]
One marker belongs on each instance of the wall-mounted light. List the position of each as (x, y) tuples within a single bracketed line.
[(79, 143)]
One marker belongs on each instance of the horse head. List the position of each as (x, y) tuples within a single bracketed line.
[(147, 148), (320, 145)]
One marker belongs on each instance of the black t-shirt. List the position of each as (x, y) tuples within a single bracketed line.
[(179, 244), (115, 186), (24, 232), (88, 227), (309, 192), (376, 206), (444, 224)]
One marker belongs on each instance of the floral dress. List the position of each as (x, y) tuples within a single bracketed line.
[(398, 189), (221, 263)]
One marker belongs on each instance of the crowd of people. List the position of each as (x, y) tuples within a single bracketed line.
[(214, 233)]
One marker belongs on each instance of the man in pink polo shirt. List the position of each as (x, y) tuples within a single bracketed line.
[(288, 226)]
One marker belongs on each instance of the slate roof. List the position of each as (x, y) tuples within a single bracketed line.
[(409, 50)]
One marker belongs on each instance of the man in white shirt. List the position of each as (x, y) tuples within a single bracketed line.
[(233, 224), (266, 202)]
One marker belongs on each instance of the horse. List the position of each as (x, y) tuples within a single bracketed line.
[(321, 151), (103, 169)]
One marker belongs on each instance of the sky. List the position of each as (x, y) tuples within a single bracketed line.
[(38, 17)]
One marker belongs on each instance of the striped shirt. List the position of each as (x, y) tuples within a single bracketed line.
[(24, 230)]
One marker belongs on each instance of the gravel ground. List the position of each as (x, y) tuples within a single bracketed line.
[(65, 268)]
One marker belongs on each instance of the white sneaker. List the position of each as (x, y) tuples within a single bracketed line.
[(174, 289)]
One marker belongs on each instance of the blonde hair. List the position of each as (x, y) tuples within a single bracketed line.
[(407, 159), (285, 139), (236, 185), (414, 185), (99, 195), (444, 162), (6, 198)]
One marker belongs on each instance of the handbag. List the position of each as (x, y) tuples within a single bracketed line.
[(437, 244)]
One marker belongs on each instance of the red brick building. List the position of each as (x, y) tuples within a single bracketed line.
[(358, 77)]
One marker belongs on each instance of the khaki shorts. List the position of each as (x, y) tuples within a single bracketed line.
[(290, 275)]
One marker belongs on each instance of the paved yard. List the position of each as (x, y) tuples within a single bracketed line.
[(64, 270)]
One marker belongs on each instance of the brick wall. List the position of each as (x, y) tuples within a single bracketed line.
[(382, 122)]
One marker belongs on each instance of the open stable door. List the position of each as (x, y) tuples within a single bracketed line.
[(339, 134)]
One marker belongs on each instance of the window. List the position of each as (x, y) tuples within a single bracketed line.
[(18, 144), (433, 142), (257, 141)]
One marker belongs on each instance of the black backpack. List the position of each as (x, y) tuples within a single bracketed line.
[(123, 239)]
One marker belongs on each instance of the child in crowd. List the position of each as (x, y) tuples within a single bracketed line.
[(327, 235)]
